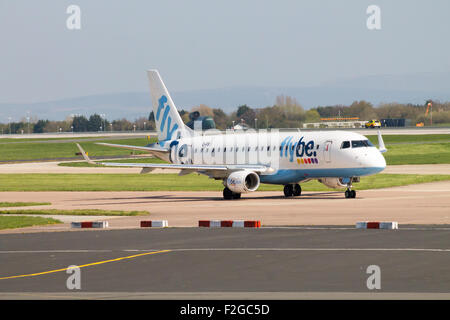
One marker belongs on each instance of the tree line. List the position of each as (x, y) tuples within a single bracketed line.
[(286, 112), (95, 123)]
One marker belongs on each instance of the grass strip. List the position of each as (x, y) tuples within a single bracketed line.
[(437, 144), (21, 222), (76, 212), (173, 182), (41, 150), (23, 204)]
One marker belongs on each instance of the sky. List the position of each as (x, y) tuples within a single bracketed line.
[(211, 44)]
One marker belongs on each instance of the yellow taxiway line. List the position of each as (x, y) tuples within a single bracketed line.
[(85, 265)]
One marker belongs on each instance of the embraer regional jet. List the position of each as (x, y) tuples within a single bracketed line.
[(244, 159)]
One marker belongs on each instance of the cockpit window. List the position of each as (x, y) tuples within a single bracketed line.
[(345, 145), (361, 143)]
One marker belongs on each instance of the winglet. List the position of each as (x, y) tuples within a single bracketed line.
[(85, 156), (381, 146)]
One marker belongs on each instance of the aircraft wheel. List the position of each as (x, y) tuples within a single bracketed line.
[(236, 195), (288, 190), (227, 194), (350, 194), (297, 190)]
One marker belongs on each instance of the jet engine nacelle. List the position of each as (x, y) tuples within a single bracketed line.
[(333, 182), (242, 181)]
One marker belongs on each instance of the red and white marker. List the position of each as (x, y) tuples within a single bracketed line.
[(377, 225), (154, 223), (229, 223), (90, 224)]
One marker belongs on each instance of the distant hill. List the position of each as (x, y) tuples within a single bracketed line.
[(424, 82), (414, 88)]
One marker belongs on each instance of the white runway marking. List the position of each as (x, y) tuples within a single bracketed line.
[(314, 249), (56, 251), (236, 249)]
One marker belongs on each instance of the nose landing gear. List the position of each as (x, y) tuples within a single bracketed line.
[(349, 193)]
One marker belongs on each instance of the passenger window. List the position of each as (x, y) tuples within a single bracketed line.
[(345, 145)]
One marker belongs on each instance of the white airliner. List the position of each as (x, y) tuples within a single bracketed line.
[(244, 159)]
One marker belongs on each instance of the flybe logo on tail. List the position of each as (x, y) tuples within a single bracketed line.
[(165, 117)]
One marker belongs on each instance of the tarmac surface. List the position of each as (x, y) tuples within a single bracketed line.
[(308, 247), (427, 203), (266, 263)]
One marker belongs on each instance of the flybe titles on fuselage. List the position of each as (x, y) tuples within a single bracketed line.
[(303, 151)]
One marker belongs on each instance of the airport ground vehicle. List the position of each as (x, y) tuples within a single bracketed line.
[(373, 124)]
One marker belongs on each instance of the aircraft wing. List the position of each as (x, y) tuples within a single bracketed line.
[(124, 146), (193, 167)]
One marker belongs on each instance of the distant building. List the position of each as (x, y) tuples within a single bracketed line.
[(396, 122)]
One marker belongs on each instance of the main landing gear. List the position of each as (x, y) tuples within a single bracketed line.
[(292, 190), (228, 194)]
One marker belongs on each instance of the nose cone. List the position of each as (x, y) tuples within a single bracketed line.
[(380, 161), (375, 161)]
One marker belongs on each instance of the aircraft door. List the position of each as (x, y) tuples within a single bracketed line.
[(184, 154), (327, 151)]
